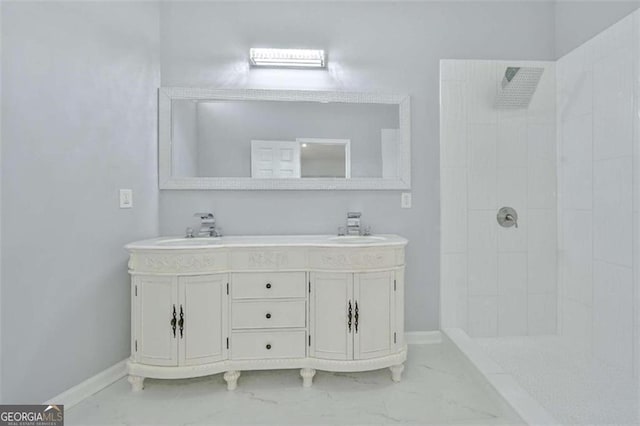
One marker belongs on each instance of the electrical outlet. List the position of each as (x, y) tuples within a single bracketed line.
[(405, 200), (126, 198)]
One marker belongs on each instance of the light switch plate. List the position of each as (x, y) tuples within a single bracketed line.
[(405, 200), (126, 198)]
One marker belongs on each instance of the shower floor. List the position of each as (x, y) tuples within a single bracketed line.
[(573, 387)]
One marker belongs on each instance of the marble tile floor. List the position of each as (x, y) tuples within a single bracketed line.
[(438, 388)]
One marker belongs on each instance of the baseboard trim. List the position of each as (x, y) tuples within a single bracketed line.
[(93, 384), (422, 337)]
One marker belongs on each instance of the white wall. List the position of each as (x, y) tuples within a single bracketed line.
[(372, 46), (597, 127), (497, 281), (79, 122)]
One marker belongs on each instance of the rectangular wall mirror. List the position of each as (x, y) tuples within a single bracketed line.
[(272, 139)]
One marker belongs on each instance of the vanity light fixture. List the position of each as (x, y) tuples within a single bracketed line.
[(287, 58)]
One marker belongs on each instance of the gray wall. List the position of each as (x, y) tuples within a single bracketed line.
[(372, 47), (226, 129), (578, 21), (79, 123)]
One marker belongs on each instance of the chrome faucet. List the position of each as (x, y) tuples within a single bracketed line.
[(207, 226), (353, 223)]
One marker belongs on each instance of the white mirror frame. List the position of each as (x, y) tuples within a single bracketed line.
[(167, 181)]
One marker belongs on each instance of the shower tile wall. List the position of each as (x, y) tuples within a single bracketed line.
[(596, 122), (497, 281)]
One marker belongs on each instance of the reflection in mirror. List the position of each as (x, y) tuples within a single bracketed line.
[(274, 139), (275, 159), (325, 158), (304, 158)]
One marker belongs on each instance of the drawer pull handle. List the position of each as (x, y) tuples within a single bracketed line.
[(268, 316), (268, 346), (268, 285)]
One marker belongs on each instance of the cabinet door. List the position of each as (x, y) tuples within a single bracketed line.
[(203, 305), (156, 298), (330, 297), (374, 314)]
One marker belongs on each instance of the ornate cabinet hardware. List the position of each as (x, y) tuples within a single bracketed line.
[(181, 322), (356, 316), (173, 321)]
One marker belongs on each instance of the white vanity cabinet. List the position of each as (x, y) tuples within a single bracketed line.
[(226, 305)]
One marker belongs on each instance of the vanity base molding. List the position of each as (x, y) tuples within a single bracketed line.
[(308, 366)]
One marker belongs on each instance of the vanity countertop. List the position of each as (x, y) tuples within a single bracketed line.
[(172, 243)]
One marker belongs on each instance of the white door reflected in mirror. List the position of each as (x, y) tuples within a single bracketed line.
[(304, 158), (275, 159)]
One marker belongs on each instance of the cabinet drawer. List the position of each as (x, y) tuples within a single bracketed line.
[(266, 285), (271, 344), (269, 314)]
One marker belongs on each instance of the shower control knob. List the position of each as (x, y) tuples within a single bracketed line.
[(507, 217)]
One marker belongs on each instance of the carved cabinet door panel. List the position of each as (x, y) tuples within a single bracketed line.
[(330, 305), (374, 314), (157, 298), (202, 319)]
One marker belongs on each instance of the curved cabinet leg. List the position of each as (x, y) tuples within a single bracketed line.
[(231, 377), (307, 376), (396, 372), (137, 383)]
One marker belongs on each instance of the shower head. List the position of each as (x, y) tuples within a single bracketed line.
[(518, 87)]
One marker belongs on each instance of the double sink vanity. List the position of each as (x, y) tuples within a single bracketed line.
[(202, 306)]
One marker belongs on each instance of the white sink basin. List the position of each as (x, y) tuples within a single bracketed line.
[(189, 242), (356, 239)]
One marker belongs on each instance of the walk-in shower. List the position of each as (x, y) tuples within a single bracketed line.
[(552, 304)]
